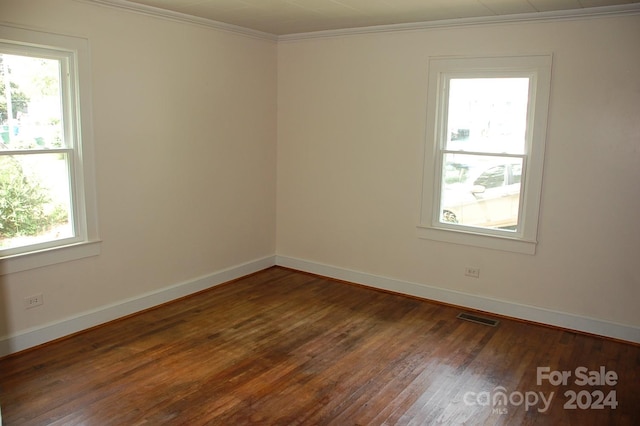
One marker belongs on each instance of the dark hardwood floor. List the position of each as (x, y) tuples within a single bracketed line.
[(286, 348)]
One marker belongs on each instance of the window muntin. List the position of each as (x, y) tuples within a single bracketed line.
[(483, 172)]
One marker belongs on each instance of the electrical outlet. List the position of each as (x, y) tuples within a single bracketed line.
[(33, 301), (472, 272)]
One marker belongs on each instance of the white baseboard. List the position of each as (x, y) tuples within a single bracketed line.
[(46, 333), (52, 331), (500, 307)]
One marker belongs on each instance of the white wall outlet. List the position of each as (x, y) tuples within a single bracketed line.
[(33, 301), (470, 271)]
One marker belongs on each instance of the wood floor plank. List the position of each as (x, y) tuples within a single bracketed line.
[(289, 348)]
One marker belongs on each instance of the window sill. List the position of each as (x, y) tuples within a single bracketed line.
[(515, 245), (51, 256)]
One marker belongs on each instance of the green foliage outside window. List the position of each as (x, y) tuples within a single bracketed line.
[(24, 203)]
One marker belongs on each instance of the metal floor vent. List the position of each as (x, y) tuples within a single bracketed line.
[(478, 319)]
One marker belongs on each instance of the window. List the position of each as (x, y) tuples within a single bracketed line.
[(484, 151), (47, 212)]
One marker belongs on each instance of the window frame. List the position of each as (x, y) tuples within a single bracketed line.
[(73, 53), (442, 69)]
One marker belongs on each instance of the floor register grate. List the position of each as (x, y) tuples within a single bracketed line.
[(478, 319)]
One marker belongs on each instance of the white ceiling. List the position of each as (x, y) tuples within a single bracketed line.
[(281, 17)]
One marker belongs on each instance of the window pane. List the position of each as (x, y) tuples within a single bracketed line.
[(481, 191), (30, 103), (487, 114), (35, 199)]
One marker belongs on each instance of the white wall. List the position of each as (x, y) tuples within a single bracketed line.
[(351, 128), (185, 140), (190, 121)]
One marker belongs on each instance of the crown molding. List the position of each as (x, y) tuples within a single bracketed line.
[(557, 15), (180, 17)]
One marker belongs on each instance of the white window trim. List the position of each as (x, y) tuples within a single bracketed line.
[(87, 242), (525, 239)]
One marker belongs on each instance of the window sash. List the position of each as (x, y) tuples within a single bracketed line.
[(74, 213), (438, 199), (443, 148)]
